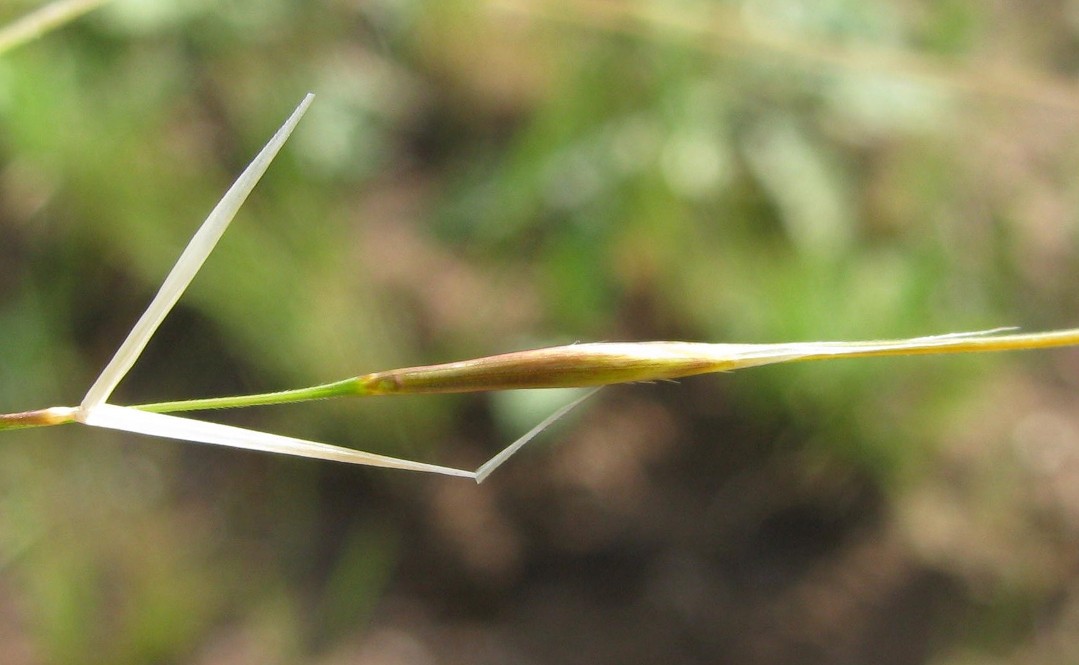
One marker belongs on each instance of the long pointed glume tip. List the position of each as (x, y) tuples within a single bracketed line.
[(189, 263)]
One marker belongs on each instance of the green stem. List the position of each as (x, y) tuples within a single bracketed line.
[(347, 387)]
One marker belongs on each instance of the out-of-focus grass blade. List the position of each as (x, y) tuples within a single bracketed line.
[(42, 20)]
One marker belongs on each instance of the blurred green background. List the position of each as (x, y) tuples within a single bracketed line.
[(479, 177)]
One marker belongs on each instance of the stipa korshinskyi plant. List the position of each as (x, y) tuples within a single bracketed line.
[(591, 365)]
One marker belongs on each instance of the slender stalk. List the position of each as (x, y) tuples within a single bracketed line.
[(324, 391)]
